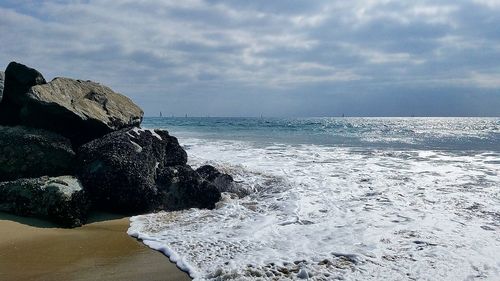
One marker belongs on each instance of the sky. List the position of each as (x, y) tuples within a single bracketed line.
[(271, 58)]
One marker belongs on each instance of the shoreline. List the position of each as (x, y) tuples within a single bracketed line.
[(32, 249)]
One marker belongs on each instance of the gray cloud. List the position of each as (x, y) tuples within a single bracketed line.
[(211, 57)]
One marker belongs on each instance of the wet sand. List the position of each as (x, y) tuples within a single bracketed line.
[(31, 250)]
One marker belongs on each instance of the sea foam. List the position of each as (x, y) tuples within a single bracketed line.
[(327, 213)]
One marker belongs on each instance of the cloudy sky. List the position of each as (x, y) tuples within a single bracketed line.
[(276, 58)]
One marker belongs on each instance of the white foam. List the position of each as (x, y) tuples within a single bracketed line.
[(337, 213)]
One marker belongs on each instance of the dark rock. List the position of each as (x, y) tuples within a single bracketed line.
[(18, 80), (79, 110), (180, 187), (27, 152), (60, 199), (134, 170), (223, 182)]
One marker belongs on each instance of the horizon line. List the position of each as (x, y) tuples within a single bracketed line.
[(325, 116)]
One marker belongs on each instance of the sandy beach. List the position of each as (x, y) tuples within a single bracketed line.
[(32, 249)]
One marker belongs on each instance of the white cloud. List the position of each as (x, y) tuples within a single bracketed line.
[(153, 47), (484, 80), (489, 3)]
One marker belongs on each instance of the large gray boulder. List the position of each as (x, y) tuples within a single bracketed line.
[(80, 110), (18, 80), (134, 170), (28, 152), (59, 199)]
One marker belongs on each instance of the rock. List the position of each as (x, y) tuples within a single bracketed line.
[(27, 152), (60, 199), (133, 170), (303, 274), (180, 187), (79, 110), (18, 80), (223, 182)]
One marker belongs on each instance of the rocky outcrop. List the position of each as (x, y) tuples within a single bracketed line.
[(79, 110), (18, 80), (120, 167), (135, 170), (223, 182), (60, 199), (27, 152)]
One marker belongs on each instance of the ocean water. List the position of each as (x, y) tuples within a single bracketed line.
[(339, 199)]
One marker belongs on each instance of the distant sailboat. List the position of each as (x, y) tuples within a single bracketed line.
[(343, 115), (161, 115)]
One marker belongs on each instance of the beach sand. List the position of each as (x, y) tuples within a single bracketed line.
[(32, 249)]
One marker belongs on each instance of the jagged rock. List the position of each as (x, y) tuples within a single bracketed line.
[(60, 199), (80, 110), (223, 182), (180, 187), (132, 171), (18, 80), (27, 152)]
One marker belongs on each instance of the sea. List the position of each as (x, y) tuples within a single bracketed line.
[(338, 199)]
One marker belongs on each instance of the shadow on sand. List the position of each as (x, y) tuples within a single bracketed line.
[(41, 223)]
